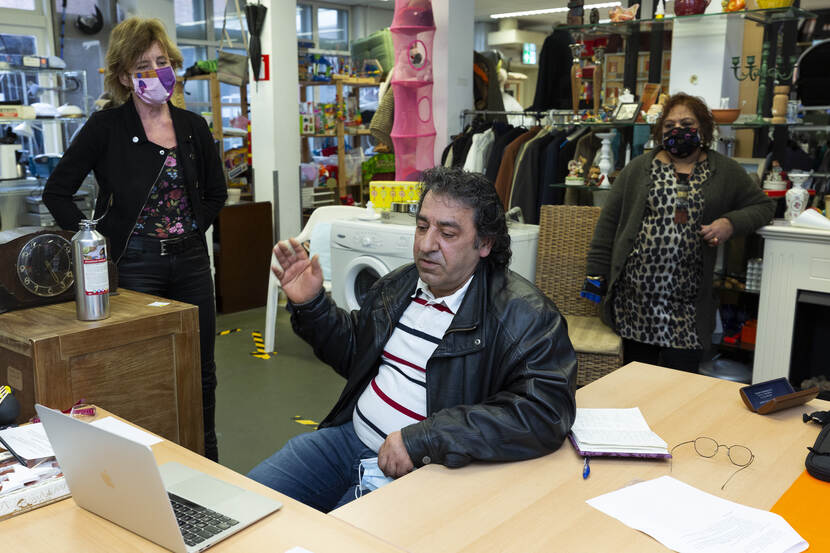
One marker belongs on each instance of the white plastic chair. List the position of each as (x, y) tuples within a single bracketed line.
[(322, 214)]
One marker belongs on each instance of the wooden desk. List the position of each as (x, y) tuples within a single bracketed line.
[(63, 526), (142, 362), (539, 505)]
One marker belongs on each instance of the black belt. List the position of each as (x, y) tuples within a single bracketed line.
[(168, 246)]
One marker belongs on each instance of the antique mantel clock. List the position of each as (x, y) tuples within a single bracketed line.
[(36, 269)]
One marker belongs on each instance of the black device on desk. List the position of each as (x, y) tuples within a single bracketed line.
[(774, 395)]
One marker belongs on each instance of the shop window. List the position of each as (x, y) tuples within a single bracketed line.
[(15, 87), (332, 29), (190, 20), (18, 4), (326, 26), (234, 26), (197, 95), (305, 29), (82, 7)]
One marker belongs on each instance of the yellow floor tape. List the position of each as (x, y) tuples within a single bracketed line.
[(306, 422), (259, 344), (229, 331)]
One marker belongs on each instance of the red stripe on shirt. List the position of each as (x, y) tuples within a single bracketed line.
[(397, 359), (395, 404), (437, 306)]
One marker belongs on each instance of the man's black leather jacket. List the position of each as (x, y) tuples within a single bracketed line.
[(126, 165), (500, 386)]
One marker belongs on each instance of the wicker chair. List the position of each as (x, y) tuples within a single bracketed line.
[(565, 234)]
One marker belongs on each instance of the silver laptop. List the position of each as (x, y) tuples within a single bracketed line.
[(118, 479)]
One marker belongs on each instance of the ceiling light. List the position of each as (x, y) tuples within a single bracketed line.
[(551, 10)]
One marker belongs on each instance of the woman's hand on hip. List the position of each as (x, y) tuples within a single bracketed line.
[(300, 277), (718, 232)]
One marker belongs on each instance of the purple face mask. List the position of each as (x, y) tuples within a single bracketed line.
[(155, 86)]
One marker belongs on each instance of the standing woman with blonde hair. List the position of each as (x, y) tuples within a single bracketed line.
[(160, 183)]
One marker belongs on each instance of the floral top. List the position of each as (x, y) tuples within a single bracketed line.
[(656, 293), (167, 212)]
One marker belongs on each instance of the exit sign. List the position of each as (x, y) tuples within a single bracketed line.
[(529, 53)]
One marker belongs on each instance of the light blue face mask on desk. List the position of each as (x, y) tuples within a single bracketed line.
[(370, 475)]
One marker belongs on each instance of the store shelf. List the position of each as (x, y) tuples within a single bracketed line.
[(341, 131), (318, 83), (354, 82), (9, 120), (624, 28)]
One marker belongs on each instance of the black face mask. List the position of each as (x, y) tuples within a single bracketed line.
[(681, 141)]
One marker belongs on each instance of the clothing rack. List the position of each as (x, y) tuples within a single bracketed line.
[(555, 116)]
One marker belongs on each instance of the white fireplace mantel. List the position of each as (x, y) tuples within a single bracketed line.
[(794, 259)]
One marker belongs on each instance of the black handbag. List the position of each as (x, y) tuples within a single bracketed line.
[(818, 460)]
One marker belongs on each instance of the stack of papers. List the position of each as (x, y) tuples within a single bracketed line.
[(29, 442), (688, 520), (615, 432)]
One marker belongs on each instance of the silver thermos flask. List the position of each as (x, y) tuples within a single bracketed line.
[(92, 288)]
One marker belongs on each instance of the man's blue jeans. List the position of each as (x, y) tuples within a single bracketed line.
[(318, 468)]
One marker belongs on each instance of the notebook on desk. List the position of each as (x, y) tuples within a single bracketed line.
[(615, 433), (179, 508)]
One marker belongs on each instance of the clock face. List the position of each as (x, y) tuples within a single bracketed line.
[(44, 265)]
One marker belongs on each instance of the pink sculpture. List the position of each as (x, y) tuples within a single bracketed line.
[(413, 133)]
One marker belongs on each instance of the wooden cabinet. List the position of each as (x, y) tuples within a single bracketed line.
[(243, 238), (142, 363)]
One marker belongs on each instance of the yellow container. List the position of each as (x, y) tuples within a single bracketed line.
[(772, 4), (383, 193)]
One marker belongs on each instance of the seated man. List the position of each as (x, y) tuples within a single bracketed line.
[(449, 360)]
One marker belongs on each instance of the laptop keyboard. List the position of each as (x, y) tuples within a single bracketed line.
[(198, 523)]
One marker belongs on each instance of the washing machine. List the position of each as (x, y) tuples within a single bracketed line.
[(364, 251)]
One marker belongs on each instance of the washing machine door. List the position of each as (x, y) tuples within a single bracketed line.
[(359, 275)]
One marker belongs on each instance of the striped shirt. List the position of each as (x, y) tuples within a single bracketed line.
[(397, 396)]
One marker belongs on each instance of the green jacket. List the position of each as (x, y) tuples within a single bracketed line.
[(729, 192)]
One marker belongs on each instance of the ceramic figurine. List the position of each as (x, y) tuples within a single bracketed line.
[(797, 196), (575, 177), (595, 176), (575, 12), (774, 181), (624, 14)]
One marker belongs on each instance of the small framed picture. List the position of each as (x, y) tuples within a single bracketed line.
[(627, 112)]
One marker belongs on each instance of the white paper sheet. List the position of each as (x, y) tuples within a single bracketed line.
[(28, 441), (688, 520), (811, 219), (125, 430)]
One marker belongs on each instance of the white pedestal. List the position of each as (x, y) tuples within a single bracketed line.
[(794, 259)]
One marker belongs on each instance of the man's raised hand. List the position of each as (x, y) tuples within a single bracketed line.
[(300, 277)]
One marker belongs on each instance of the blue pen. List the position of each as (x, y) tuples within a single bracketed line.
[(586, 469)]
